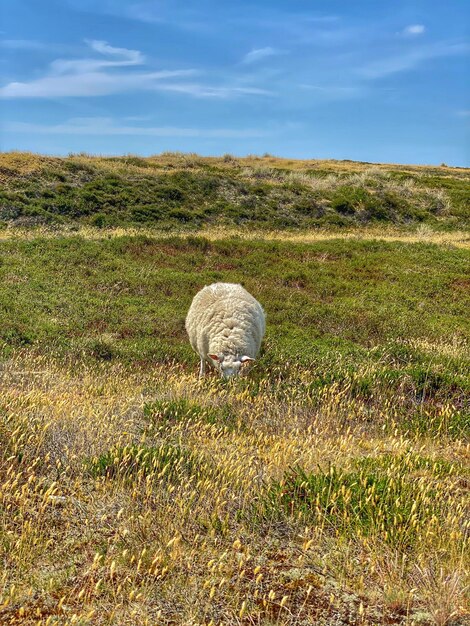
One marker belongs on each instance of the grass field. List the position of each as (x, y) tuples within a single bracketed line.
[(330, 485)]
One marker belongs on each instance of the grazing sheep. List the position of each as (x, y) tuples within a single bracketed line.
[(225, 325)]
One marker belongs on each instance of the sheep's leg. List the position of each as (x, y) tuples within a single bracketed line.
[(202, 369)]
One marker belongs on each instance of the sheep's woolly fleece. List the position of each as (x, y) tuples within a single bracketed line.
[(225, 320)]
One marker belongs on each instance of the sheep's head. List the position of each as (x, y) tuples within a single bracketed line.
[(229, 365)]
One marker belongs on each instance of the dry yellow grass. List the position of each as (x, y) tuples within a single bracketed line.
[(423, 234), (29, 162), (179, 541)]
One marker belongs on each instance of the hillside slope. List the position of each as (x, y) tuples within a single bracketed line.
[(185, 190)]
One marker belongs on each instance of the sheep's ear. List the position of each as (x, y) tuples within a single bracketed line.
[(214, 357), (246, 359)]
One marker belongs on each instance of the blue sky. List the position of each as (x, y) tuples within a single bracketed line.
[(372, 81)]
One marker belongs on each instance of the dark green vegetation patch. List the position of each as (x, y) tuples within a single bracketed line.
[(171, 462), (183, 191), (383, 496)]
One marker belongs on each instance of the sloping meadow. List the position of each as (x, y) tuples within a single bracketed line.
[(329, 485), (186, 191)]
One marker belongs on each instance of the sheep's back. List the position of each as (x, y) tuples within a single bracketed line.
[(223, 306)]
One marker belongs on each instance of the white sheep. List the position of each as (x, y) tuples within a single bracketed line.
[(225, 325)]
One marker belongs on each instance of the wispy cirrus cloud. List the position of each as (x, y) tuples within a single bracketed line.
[(108, 126), (111, 57), (88, 83), (133, 56), (258, 54), (411, 59), (214, 91), (413, 30), (90, 76), (115, 71)]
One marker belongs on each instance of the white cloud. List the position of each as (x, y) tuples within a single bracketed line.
[(208, 91), (108, 126), (115, 71), (411, 59), (85, 77), (104, 48), (260, 53), (120, 57), (88, 84), (413, 30)]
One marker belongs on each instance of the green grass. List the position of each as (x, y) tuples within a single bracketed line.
[(330, 306), (355, 314), (137, 462), (393, 499), (384, 497), (455, 424)]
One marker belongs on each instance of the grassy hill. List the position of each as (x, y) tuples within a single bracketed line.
[(187, 191), (330, 485)]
